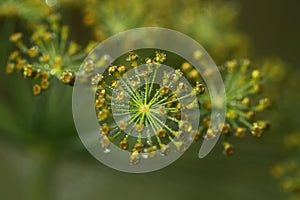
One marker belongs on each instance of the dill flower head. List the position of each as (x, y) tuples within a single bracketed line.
[(188, 17), (147, 108), (48, 54), (287, 173), (22, 9), (244, 88)]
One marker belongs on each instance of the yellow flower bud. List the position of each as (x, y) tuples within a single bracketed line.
[(16, 37), (33, 52), (161, 133), (228, 149), (124, 144), (10, 68), (37, 89), (134, 158)]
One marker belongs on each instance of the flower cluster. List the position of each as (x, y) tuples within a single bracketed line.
[(181, 16), (22, 9), (49, 54), (243, 85), (287, 172), (146, 109), (218, 19)]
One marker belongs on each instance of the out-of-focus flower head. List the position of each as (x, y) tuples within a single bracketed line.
[(287, 171), (22, 9), (48, 54), (201, 20)]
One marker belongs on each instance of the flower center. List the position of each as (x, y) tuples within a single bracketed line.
[(145, 109)]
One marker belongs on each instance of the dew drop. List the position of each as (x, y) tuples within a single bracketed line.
[(106, 150), (145, 155), (149, 142), (161, 153)]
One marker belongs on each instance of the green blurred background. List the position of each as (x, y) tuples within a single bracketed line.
[(42, 171)]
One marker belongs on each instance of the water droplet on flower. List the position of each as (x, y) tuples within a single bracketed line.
[(106, 150), (145, 155)]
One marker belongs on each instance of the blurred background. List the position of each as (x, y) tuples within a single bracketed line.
[(43, 158)]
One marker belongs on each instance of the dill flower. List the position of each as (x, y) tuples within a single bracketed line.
[(218, 19), (49, 54), (287, 173), (244, 86), (286, 170), (241, 83), (141, 116), (127, 109), (22, 9), (179, 15)]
